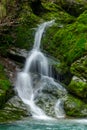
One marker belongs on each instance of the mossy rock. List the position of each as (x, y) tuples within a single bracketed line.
[(57, 13), (74, 107), (13, 110), (5, 87), (73, 7), (68, 42), (79, 68), (78, 87), (4, 82)]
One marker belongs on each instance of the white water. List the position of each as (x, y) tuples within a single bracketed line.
[(24, 84)]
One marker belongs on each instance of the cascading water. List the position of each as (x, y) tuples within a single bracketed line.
[(24, 84)]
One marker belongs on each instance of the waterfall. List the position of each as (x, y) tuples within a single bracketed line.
[(24, 84)]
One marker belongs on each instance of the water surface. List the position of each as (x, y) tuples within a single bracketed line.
[(61, 124)]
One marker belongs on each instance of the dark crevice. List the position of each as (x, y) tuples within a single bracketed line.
[(37, 7)]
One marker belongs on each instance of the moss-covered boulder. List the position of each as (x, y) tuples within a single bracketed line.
[(79, 68), (78, 85), (13, 110), (74, 107)]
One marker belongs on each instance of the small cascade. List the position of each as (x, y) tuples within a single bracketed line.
[(25, 87), (59, 111)]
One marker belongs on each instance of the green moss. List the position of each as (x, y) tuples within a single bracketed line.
[(4, 82), (74, 107), (79, 68), (66, 43), (57, 13), (4, 86), (83, 17), (71, 46), (11, 115), (78, 88), (75, 7)]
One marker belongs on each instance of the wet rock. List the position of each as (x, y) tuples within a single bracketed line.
[(48, 95), (17, 54), (14, 110)]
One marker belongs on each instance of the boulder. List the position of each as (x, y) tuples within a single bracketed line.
[(78, 85), (13, 110), (74, 107), (48, 95)]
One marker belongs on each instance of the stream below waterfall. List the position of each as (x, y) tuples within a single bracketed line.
[(62, 124)]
